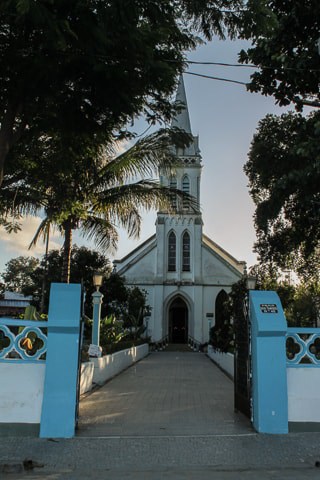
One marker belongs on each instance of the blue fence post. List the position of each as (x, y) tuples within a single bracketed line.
[(60, 385), (269, 373)]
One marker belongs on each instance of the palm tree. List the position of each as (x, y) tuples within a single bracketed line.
[(97, 192)]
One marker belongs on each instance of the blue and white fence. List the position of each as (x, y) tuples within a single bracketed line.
[(22, 372), (285, 369), (303, 377), (39, 367)]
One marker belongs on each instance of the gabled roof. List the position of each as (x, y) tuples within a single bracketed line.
[(220, 252), (135, 255)]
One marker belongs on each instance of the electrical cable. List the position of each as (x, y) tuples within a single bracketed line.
[(216, 78)]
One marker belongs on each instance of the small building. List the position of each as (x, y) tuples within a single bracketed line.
[(13, 304), (186, 274)]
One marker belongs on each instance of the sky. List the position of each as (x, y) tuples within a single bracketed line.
[(225, 116)]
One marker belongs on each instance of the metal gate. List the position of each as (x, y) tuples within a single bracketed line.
[(242, 361), (81, 332)]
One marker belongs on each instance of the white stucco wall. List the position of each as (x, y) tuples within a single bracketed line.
[(110, 365), (224, 360), (21, 392), (86, 377), (303, 394)]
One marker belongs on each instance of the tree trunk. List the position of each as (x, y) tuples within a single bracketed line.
[(67, 247)]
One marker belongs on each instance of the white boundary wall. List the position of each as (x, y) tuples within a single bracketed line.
[(21, 392), (303, 394), (86, 377), (108, 366), (224, 360)]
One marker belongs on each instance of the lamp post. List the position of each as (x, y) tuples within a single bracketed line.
[(251, 282), (97, 297)]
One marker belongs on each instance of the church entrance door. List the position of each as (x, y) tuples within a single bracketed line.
[(178, 321)]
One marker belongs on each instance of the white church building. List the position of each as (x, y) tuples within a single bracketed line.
[(184, 272)]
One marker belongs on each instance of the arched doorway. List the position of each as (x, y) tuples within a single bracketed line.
[(178, 321)]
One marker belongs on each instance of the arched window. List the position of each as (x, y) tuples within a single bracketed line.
[(186, 252), (185, 188), (221, 335), (173, 184), (172, 250)]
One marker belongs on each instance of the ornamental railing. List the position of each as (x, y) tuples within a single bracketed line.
[(23, 340), (303, 347)]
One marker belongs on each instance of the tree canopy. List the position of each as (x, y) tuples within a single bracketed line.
[(96, 192), (284, 159), (18, 273), (284, 178), (284, 37), (84, 262), (91, 66)]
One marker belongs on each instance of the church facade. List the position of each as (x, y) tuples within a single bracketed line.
[(185, 273)]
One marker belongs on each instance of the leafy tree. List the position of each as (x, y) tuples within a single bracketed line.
[(96, 192), (115, 295), (303, 311), (284, 177), (270, 277), (283, 166), (18, 273), (285, 37), (136, 304), (84, 262), (91, 66), (221, 335)]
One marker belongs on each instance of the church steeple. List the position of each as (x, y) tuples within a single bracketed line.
[(182, 121)]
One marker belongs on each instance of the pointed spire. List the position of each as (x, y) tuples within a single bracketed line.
[(182, 120)]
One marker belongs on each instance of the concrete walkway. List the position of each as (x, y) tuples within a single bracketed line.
[(170, 417), (167, 393)]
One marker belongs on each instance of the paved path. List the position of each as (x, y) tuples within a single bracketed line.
[(167, 393), (170, 417)]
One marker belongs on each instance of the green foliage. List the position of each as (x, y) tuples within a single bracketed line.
[(304, 310), (136, 304), (301, 302), (221, 335), (18, 273), (284, 177), (90, 67), (111, 331), (284, 36), (96, 193), (31, 275)]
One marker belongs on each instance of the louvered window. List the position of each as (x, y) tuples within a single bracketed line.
[(185, 189), (172, 250), (173, 184), (186, 252)]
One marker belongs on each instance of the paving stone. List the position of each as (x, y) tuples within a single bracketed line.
[(169, 417), (167, 393)]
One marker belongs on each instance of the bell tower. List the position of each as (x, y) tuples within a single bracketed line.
[(179, 234)]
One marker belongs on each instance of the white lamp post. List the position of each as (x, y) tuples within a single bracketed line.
[(97, 302), (251, 282)]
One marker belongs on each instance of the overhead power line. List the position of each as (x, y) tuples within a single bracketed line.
[(221, 64), (216, 78), (251, 65)]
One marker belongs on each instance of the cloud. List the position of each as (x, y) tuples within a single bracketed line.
[(15, 244)]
